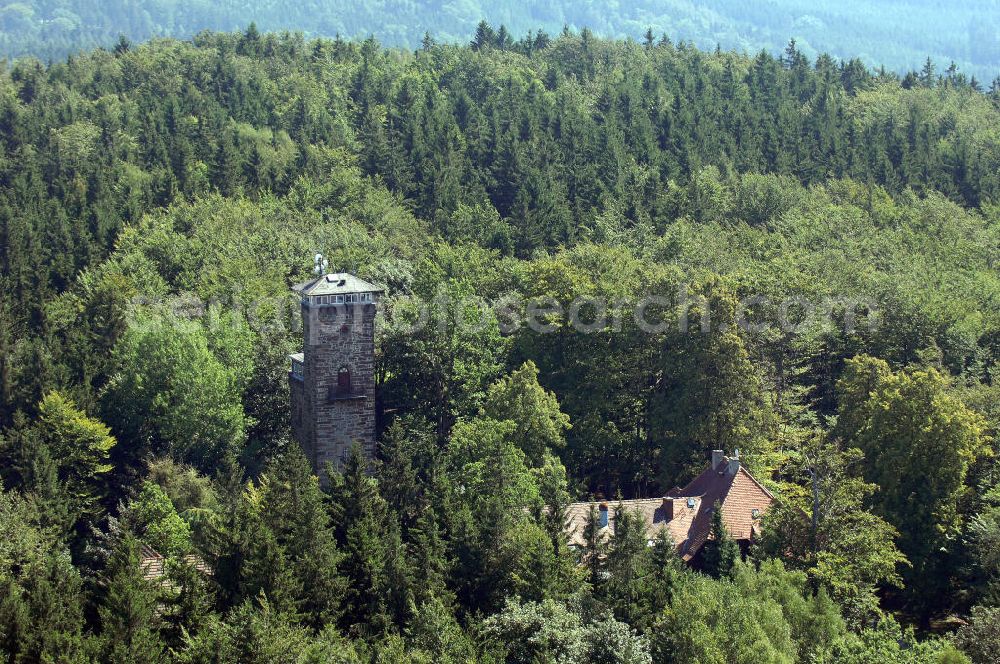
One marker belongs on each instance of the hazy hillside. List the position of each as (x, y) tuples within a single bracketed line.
[(897, 33)]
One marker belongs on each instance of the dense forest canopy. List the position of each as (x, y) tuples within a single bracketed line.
[(158, 200), (899, 34)]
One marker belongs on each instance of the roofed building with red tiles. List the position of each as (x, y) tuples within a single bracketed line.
[(686, 513), (153, 565)]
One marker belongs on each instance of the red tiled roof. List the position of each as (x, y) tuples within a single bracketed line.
[(738, 492), (652, 510), (153, 564)]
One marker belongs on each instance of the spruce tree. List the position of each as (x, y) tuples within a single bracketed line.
[(129, 612), (246, 556), (367, 552), (400, 576), (503, 38), (595, 544), (485, 37), (430, 559), (666, 567), (42, 617), (720, 553), (628, 566), (192, 602), (295, 510)]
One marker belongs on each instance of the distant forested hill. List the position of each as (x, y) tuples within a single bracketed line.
[(899, 34)]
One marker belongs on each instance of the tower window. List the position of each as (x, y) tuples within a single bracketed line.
[(343, 380)]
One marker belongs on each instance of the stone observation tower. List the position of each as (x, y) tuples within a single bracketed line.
[(332, 381)]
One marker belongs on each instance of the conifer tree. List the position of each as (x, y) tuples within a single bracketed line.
[(503, 38), (398, 473), (485, 37), (628, 566), (129, 613), (720, 554), (295, 510), (595, 544), (42, 616), (400, 576), (248, 560), (191, 606), (665, 568), (430, 559), (367, 551), (927, 78)]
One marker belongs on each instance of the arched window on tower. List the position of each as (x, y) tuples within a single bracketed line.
[(343, 380)]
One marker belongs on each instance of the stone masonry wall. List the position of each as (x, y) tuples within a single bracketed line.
[(338, 336)]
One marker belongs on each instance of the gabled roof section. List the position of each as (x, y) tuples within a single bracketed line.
[(739, 493), (690, 524), (652, 510), (153, 565), (336, 284)]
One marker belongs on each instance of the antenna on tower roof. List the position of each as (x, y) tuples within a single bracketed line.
[(321, 265)]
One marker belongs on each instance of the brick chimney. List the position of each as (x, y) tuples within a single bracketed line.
[(668, 509), (718, 456)]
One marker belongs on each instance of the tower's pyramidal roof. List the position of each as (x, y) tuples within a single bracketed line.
[(336, 284)]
